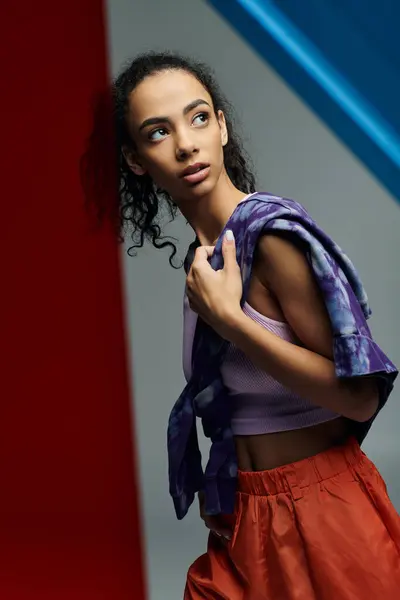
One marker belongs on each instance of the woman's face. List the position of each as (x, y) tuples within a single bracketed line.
[(178, 139)]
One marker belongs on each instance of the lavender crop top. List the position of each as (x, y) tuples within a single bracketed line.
[(260, 403)]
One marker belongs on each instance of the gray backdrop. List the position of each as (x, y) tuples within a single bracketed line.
[(294, 155)]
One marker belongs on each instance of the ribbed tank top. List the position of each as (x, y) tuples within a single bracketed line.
[(260, 403)]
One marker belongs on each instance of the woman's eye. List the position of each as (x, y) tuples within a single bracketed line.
[(200, 119), (157, 134)]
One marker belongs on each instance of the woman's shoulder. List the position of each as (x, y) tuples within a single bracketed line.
[(266, 210), (274, 203)]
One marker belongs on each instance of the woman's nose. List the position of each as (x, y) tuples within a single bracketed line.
[(185, 147)]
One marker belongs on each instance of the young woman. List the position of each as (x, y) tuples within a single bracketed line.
[(313, 519)]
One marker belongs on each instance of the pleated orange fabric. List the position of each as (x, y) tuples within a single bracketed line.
[(322, 528)]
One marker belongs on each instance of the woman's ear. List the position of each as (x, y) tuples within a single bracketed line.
[(223, 128), (132, 161)]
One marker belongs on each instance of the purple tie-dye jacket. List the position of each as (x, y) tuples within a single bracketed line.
[(355, 352)]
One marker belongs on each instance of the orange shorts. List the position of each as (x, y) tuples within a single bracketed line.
[(322, 528)]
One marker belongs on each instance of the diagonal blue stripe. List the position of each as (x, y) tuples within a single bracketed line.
[(312, 61), (332, 90)]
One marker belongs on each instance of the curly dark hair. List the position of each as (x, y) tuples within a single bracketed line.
[(139, 202)]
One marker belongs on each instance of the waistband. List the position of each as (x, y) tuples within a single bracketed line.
[(294, 477)]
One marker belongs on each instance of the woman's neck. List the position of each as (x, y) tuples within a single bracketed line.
[(210, 214)]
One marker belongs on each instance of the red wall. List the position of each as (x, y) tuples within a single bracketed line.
[(68, 504)]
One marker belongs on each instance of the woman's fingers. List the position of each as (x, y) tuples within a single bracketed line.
[(213, 524), (203, 253)]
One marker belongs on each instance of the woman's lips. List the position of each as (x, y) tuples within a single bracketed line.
[(198, 177)]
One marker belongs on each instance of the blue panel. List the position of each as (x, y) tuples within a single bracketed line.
[(341, 58), (351, 38)]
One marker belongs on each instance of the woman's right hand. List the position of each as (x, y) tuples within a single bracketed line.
[(213, 522)]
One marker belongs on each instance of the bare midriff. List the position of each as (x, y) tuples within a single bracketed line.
[(271, 450)]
